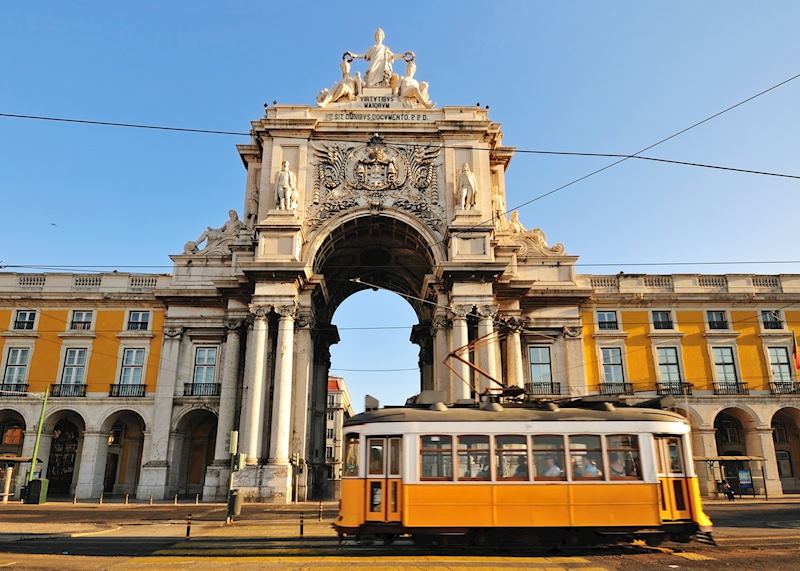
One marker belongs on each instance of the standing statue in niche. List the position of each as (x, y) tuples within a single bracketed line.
[(499, 210), (217, 239), (286, 196), (466, 189), (412, 90), (346, 90), (380, 59)]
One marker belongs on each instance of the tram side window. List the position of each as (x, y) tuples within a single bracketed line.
[(586, 457), (351, 453), (473, 457), (511, 452), (623, 457), (436, 457), (548, 458)]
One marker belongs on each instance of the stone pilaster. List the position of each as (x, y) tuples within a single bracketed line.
[(441, 374), (487, 349), (93, 464), (301, 400), (227, 398), (462, 386), (514, 372)]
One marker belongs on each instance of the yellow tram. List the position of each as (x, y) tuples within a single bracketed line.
[(579, 473)]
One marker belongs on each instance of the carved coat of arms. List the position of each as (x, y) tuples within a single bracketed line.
[(377, 175)]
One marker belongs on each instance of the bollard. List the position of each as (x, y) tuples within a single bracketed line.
[(101, 498), (126, 499), (75, 499), (188, 526), (301, 525), (319, 513), (176, 499), (197, 499), (151, 500)]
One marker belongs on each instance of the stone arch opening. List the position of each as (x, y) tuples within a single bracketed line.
[(62, 444), (12, 432), (786, 437), (193, 450), (736, 435), (124, 443)]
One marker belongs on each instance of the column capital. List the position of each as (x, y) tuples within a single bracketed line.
[(441, 321), (174, 332), (572, 332), (461, 311), (305, 320), (487, 310), (515, 324), (286, 311), (260, 311), (234, 325)]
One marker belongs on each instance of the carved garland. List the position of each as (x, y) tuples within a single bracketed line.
[(378, 176)]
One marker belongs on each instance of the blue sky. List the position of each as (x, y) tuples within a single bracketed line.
[(576, 76)]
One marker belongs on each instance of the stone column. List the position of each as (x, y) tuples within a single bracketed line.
[(227, 397), (301, 401), (487, 348), (771, 482), (704, 443), (255, 384), (461, 387), (93, 464), (441, 374), (155, 467), (516, 376), (574, 365), (282, 396)]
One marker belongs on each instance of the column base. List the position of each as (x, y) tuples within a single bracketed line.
[(271, 483), (215, 484), (153, 481)]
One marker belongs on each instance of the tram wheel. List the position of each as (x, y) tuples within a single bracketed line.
[(388, 538)]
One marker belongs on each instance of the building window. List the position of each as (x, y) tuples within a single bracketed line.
[(81, 320), (330, 415), (329, 433), (662, 320), (612, 365), (138, 320), (779, 362), (779, 432), (132, 365), (607, 321), (205, 365), (717, 319), (771, 319), (725, 365), (25, 319), (329, 452), (784, 464), (540, 365), (331, 400), (668, 366), (74, 367), (16, 365), (12, 435), (729, 431)]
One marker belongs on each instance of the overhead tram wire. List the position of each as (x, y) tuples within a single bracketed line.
[(622, 157)]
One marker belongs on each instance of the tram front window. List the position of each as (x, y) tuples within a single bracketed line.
[(351, 448)]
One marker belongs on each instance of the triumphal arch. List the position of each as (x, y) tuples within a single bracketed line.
[(372, 186)]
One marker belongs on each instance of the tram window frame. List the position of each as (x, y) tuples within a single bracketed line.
[(582, 450), (352, 452), (631, 458), (485, 474), (501, 454), (394, 455), (377, 462), (440, 453), (559, 454)]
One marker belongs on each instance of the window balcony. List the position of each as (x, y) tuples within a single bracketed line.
[(718, 325), (67, 390), (679, 388), (784, 388), (616, 389), (137, 326), (13, 389), (731, 388), (126, 390), (80, 325), (23, 325), (201, 389), (543, 388)]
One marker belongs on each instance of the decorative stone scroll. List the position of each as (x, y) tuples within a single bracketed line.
[(533, 242), (379, 176)]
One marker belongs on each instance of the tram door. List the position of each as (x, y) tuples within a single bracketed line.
[(384, 487), (671, 471)]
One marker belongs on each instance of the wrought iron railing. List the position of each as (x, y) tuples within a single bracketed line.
[(543, 388), (731, 388), (126, 390), (12, 389), (675, 388), (616, 389), (201, 389), (67, 390), (784, 388)]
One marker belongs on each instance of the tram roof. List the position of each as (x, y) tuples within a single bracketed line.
[(473, 414)]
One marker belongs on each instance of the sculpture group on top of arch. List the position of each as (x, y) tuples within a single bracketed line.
[(380, 73)]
